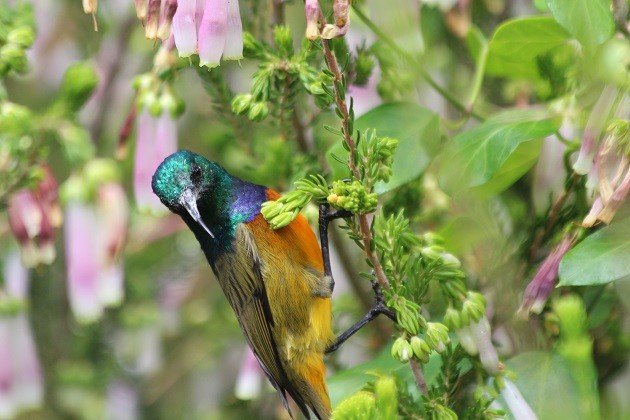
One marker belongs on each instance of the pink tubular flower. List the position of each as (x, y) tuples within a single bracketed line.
[(114, 215), (538, 290), (33, 215), (31, 226), (516, 403), (184, 27), (341, 11), (82, 261), (212, 33), (234, 37), (250, 378), (94, 238), (16, 278), (21, 383), (593, 129), (157, 139), (313, 12)]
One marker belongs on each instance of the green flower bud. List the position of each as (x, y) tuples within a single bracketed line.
[(420, 348), (473, 309), (271, 209), (432, 253), (77, 85), (361, 405), (23, 36), (241, 103), (408, 320), (386, 398), (258, 111), (437, 336), (450, 260), (405, 352), (15, 119), (452, 319), (171, 104), (283, 219), (14, 56), (77, 144), (100, 171), (74, 189)]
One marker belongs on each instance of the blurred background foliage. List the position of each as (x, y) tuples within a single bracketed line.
[(511, 160)]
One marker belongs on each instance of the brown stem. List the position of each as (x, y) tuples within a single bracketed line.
[(552, 218), (111, 72), (417, 374), (364, 224)]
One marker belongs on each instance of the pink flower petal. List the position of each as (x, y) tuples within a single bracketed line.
[(212, 33), (234, 38), (82, 262), (184, 27)]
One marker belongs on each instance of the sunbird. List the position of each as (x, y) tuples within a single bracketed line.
[(274, 279)]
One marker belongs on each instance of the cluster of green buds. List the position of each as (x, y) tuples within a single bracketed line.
[(281, 73), (382, 403), (352, 196), (246, 104), (377, 156), (15, 38), (282, 211), (472, 311), (82, 186), (157, 96)]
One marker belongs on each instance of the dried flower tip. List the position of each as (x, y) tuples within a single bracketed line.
[(153, 18), (313, 13), (141, 9), (166, 18)]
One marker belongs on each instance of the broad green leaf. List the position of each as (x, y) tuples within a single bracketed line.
[(417, 130), (490, 157), (600, 258), (348, 381), (546, 383), (516, 44), (590, 21)]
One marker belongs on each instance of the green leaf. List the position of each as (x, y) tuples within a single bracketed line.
[(490, 157), (546, 383), (349, 381), (600, 258), (590, 21), (418, 133), (516, 44)]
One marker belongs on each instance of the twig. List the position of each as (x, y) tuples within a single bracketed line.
[(417, 374), (552, 218), (107, 92), (364, 225)]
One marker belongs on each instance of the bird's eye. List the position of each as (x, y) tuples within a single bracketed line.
[(195, 174)]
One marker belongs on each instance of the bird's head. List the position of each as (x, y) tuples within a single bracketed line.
[(183, 179)]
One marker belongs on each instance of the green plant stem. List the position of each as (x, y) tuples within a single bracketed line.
[(416, 63), (478, 80)]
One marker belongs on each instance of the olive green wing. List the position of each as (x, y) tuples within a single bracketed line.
[(241, 277)]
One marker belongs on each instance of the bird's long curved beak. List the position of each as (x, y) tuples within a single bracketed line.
[(188, 199)]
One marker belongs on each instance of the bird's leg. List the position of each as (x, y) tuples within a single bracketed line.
[(378, 308), (326, 215)]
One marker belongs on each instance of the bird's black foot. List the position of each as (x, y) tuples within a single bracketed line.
[(378, 309), (326, 215)]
